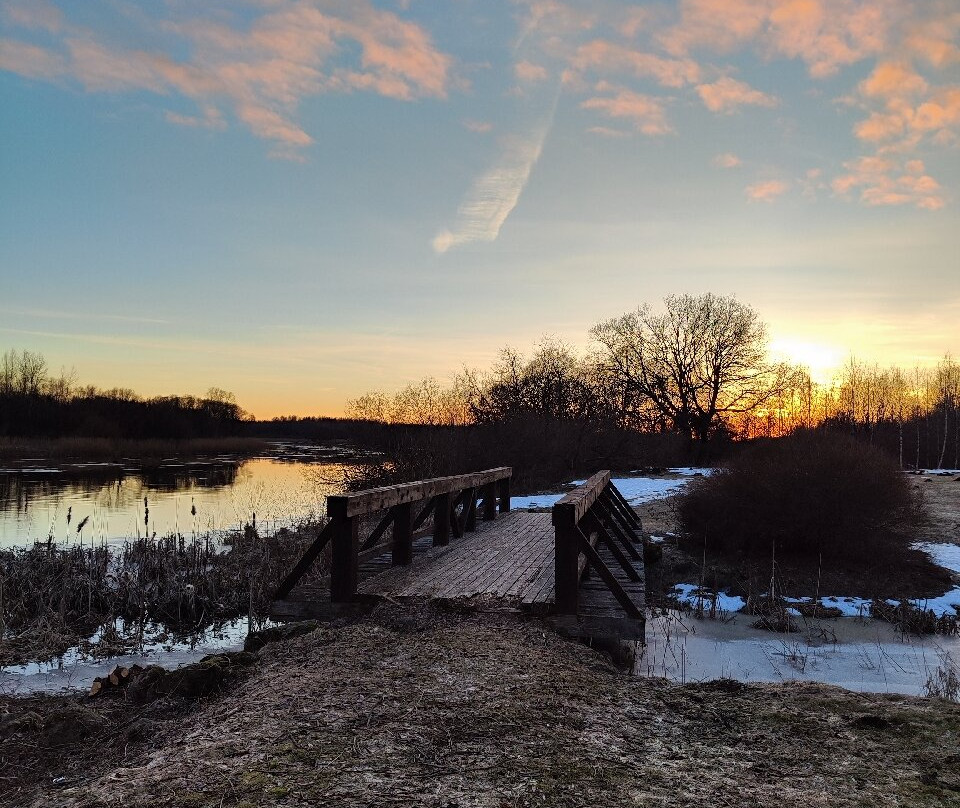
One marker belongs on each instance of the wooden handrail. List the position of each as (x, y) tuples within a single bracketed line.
[(376, 499), (443, 496)]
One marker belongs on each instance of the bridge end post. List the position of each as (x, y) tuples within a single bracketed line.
[(567, 559), (402, 551), (344, 564), (503, 494)]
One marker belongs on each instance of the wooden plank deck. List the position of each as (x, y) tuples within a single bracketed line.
[(510, 558)]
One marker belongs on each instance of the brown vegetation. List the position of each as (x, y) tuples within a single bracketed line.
[(812, 494), (427, 707), (51, 597)]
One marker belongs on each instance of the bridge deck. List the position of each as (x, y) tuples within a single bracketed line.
[(510, 559)]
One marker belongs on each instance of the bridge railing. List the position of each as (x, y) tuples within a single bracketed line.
[(593, 513), (451, 501)]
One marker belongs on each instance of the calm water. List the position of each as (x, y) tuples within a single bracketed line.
[(119, 501)]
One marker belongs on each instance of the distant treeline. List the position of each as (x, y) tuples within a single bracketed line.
[(687, 385), (34, 403)]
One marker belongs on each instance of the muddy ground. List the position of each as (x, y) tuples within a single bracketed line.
[(908, 575), (441, 708)]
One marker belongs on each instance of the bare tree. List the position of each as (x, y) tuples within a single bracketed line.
[(699, 363)]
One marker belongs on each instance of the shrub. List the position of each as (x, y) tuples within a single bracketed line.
[(809, 494)]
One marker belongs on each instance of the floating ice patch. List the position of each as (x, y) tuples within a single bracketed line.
[(693, 471), (692, 595)]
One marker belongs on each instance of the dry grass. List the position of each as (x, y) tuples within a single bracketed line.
[(418, 707), (53, 597)]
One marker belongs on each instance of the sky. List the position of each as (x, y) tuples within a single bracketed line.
[(301, 201)]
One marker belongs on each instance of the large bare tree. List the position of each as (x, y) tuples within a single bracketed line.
[(698, 363)]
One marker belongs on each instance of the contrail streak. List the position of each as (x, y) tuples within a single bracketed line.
[(495, 193)]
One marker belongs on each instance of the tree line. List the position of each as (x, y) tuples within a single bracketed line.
[(697, 369), (37, 403)]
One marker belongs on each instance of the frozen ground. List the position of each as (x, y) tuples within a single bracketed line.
[(860, 655), (635, 490), (76, 671)]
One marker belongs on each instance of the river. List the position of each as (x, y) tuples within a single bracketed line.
[(111, 502)]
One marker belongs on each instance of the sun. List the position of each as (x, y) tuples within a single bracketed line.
[(820, 359)]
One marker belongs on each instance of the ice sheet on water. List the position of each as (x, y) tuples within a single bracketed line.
[(691, 594)]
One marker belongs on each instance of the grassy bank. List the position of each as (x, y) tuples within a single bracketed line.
[(442, 708), (53, 598)]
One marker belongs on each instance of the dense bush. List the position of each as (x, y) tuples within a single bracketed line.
[(804, 495)]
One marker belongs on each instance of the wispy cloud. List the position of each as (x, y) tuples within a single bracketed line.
[(726, 160), (260, 65), (728, 94), (766, 190), (647, 113), (881, 181), (495, 193)]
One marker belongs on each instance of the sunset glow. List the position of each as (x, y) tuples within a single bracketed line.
[(302, 200)]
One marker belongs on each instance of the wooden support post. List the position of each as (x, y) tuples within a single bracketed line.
[(441, 520), (470, 524), (343, 565), (403, 534), (489, 501), (503, 491), (566, 560)]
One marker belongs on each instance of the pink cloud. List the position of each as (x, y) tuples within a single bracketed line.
[(767, 190), (824, 35), (893, 80), (606, 131), (881, 183), (211, 119), (262, 70), (528, 71), (30, 61), (37, 14), (727, 95), (477, 126), (646, 112), (727, 160), (608, 57)]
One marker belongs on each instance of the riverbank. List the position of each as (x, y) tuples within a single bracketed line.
[(442, 707), (141, 453)]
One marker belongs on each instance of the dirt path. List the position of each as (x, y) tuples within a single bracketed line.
[(440, 709)]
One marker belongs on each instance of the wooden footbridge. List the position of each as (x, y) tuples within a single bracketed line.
[(455, 537)]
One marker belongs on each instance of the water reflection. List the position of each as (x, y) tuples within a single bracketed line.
[(112, 502)]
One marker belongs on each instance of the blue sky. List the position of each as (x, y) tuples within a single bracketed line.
[(301, 200)]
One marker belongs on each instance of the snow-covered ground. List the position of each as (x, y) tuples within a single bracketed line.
[(76, 671), (636, 490), (860, 655)]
